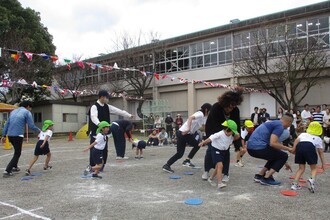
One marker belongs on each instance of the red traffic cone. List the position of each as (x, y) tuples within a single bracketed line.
[(70, 136)]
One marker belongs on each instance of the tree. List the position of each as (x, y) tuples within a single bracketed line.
[(70, 78), (282, 59), (21, 30), (134, 81)]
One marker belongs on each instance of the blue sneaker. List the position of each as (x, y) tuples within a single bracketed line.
[(269, 182), (257, 178)]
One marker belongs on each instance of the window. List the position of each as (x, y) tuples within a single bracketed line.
[(196, 49), (37, 117), (70, 117), (210, 46)]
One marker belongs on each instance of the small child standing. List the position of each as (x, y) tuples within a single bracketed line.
[(305, 147), (42, 146), (245, 135), (140, 145), (221, 142), (99, 144)]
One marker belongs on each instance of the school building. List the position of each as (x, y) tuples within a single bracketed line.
[(209, 55)]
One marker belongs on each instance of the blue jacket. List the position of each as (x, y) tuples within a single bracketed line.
[(16, 123)]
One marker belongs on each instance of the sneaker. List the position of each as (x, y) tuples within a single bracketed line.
[(136, 158), (7, 174), (168, 169), (269, 182), (87, 170), (27, 172), (221, 185), (205, 175), (15, 169), (48, 167), (211, 182), (225, 178), (257, 178), (119, 158), (141, 157), (187, 163), (239, 164), (96, 176), (125, 158), (295, 186), (311, 185)]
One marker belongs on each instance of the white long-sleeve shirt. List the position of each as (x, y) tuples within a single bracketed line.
[(112, 109)]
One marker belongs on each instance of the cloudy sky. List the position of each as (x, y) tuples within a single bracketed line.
[(90, 27)]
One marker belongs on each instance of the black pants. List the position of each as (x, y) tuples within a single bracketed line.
[(182, 141), (275, 158), (208, 162), (119, 140), (17, 143), (105, 153)]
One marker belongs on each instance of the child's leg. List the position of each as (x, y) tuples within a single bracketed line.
[(214, 173), (219, 168), (49, 155), (35, 158), (96, 168), (141, 152), (137, 152), (299, 172), (313, 171)]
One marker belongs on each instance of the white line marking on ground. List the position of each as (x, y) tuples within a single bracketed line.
[(18, 214), (25, 211)]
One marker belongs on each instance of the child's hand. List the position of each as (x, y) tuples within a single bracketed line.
[(201, 144), (42, 145), (85, 150)]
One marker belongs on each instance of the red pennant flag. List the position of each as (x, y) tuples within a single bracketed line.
[(164, 76), (54, 58), (80, 64), (156, 76), (5, 83), (68, 66), (28, 55), (15, 57)]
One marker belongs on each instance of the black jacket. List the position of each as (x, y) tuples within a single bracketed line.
[(126, 126), (217, 116)]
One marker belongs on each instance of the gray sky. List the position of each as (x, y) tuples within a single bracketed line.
[(89, 27)]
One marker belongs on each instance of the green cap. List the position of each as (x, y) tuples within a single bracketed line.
[(231, 125), (47, 123), (102, 124)]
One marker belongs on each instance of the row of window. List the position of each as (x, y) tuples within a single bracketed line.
[(66, 117), (225, 49)]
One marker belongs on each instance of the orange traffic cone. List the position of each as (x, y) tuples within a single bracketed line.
[(70, 136), (7, 146)]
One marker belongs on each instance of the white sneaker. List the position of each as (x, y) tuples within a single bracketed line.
[(211, 182), (125, 158), (311, 185), (205, 175), (119, 158), (221, 185), (295, 186), (225, 178), (239, 164)]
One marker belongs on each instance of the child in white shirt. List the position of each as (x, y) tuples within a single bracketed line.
[(99, 144), (221, 141), (42, 146)]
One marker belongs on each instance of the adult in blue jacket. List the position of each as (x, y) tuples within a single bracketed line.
[(14, 128), (265, 143)]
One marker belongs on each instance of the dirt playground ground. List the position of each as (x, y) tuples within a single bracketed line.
[(139, 189)]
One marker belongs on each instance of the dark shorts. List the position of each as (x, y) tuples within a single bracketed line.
[(218, 155), (97, 156), (305, 153), (41, 151), (142, 145)]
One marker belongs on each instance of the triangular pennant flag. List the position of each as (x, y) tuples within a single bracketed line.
[(54, 58), (44, 56), (115, 66), (67, 61), (156, 76), (5, 83), (15, 57), (80, 64), (68, 66), (164, 76), (144, 73), (28, 55), (91, 65)]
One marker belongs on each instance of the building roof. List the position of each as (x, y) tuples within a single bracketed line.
[(284, 16)]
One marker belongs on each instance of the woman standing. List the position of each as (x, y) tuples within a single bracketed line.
[(224, 109), (186, 135), (280, 113)]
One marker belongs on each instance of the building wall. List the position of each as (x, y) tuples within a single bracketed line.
[(46, 113)]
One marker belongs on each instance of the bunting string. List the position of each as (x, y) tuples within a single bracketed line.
[(16, 55)]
